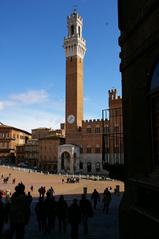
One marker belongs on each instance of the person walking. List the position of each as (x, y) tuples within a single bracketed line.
[(29, 199), (74, 218), (62, 213), (95, 197), (86, 212), (19, 212), (50, 209), (106, 200), (41, 214)]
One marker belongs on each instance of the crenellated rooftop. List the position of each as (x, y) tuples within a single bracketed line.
[(113, 95)]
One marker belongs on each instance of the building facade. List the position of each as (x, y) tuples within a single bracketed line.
[(10, 137), (48, 151), (139, 27)]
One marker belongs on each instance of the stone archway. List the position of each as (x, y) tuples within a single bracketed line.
[(65, 161), (68, 158)]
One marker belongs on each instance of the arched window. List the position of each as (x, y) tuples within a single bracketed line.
[(89, 149), (97, 129), (97, 165), (79, 31), (89, 129), (89, 167), (72, 30)]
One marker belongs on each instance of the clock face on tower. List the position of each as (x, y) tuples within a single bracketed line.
[(70, 119)]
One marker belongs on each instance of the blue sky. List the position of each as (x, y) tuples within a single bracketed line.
[(32, 59)]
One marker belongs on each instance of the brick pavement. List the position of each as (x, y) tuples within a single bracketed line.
[(101, 226)]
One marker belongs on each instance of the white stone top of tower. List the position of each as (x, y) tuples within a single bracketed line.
[(74, 43)]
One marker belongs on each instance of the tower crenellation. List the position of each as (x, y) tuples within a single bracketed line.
[(115, 101)]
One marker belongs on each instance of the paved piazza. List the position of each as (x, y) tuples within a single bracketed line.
[(101, 226)]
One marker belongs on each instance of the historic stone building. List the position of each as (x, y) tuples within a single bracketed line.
[(82, 151), (48, 151), (41, 150), (28, 153), (139, 41), (10, 137)]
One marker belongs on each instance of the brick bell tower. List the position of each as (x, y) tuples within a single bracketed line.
[(75, 48)]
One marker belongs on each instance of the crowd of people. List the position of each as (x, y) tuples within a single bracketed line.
[(5, 179), (15, 211)]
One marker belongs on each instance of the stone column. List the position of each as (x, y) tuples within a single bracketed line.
[(71, 165), (59, 164), (84, 167), (93, 167), (77, 165)]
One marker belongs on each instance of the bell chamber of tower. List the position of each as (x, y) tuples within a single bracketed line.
[(75, 48)]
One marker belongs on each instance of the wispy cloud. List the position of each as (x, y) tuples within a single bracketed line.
[(2, 105), (32, 109), (30, 97), (30, 119)]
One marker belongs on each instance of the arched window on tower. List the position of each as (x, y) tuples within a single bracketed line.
[(72, 30), (79, 31)]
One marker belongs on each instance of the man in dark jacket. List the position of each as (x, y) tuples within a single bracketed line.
[(95, 197), (74, 218), (86, 212), (19, 212), (41, 214)]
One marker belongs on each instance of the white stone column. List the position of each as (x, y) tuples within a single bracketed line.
[(84, 167), (93, 168), (71, 165), (77, 165), (59, 165)]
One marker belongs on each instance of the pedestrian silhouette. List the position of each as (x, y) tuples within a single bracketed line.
[(86, 212), (95, 197), (62, 213), (41, 214), (74, 218), (19, 212), (106, 200)]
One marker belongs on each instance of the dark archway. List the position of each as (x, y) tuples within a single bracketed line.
[(89, 167)]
